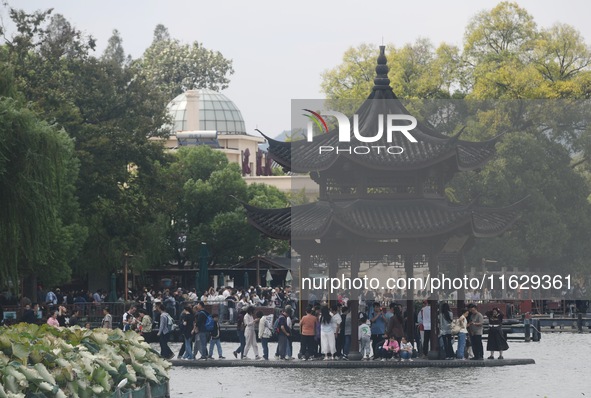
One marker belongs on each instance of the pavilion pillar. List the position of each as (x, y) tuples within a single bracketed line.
[(354, 353), (410, 304), (258, 270), (304, 273), (333, 268), (461, 293), (433, 302)]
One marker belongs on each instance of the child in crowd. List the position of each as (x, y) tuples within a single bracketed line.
[(364, 333), (215, 338), (405, 349), (389, 349)]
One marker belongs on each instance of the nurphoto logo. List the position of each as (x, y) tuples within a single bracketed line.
[(344, 128)]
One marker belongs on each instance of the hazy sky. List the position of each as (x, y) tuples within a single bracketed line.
[(278, 48)]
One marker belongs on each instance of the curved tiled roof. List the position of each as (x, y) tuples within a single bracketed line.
[(376, 219), (431, 148)]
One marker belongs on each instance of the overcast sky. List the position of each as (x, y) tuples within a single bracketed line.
[(278, 48)]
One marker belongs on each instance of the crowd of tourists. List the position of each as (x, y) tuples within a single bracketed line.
[(325, 332)]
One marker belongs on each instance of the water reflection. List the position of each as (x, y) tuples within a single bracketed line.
[(562, 369)]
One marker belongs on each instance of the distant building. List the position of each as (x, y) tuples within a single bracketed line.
[(207, 117)]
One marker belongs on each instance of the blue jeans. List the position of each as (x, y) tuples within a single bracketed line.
[(203, 344), (461, 345), (188, 350), (242, 339), (217, 343), (347, 345), (289, 349), (282, 345), (265, 342), (405, 354)]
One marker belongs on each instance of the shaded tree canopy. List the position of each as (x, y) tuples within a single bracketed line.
[(207, 191)]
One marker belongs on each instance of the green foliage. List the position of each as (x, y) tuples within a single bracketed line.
[(506, 57), (109, 111), (298, 198), (114, 51), (88, 185), (207, 187), (173, 67), (74, 362), (38, 223), (505, 31), (417, 70)]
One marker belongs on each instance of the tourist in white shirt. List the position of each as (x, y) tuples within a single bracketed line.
[(463, 322), (249, 333), (265, 332), (424, 318), (328, 328)]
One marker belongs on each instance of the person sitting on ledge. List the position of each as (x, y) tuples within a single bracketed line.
[(389, 349), (406, 349)]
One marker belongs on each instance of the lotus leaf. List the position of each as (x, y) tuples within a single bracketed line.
[(39, 361)]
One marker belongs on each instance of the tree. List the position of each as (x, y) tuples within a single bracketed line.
[(208, 209), (114, 51), (352, 79), (161, 34), (172, 67), (505, 31), (555, 217), (417, 70), (110, 111), (39, 227)]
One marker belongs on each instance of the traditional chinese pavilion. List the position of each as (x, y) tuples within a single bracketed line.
[(382, 204)]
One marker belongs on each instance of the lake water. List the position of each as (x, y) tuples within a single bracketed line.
[(562, 369)]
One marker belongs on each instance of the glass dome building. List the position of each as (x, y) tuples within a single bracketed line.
[(216, 113)]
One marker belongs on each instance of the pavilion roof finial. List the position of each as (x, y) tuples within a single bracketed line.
[(381, 81)]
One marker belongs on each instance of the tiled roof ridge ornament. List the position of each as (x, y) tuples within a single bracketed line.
[(381, 81)]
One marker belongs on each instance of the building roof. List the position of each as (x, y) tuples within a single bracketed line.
[(216, 112), (432, 147), (378, 219)]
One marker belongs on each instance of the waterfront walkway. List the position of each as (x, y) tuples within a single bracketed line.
[(416, 363)]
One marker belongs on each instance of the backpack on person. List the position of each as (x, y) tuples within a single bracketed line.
[(209, 323), (276, 328)]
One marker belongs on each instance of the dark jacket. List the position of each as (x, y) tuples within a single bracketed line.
[(186, 324), (29, 316), (200, 320), (215, 333)]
